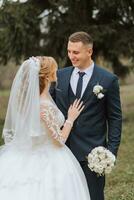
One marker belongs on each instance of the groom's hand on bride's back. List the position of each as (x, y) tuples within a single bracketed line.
[(75, 109)]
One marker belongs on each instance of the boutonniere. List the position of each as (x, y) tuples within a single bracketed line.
[(98, 91)]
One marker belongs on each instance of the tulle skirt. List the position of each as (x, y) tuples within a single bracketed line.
[(46, 172)]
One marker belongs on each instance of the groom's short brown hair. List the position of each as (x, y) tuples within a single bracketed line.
[(81, 36)]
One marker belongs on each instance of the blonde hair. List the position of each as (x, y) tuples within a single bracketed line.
[(47, 71)]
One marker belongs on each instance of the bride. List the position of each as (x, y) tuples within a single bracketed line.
[(35, 163)]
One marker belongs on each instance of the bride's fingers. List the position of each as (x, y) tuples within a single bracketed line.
[(71, 106), (81, 108), (80, 105), (76, 103)]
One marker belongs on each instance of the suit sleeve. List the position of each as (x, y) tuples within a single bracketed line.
[(114, 116)]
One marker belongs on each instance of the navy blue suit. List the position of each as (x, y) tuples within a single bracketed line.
[(99, 124)]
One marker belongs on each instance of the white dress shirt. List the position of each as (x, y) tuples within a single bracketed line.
[(86, 78)]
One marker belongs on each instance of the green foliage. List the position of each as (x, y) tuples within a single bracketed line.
[(111, 24), (19, 32)]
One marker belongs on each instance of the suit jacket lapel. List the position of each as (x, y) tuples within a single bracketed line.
[(66, 80), (64, 84), (92, 82)]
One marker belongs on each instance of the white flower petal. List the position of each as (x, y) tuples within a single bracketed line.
[(100, 96)]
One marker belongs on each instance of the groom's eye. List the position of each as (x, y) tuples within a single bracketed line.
[(76, 52)]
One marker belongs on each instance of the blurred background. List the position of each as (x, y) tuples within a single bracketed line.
[(41, 27)]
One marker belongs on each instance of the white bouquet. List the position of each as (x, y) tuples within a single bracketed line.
[(101, 160)]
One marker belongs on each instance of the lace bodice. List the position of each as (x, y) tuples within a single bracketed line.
[(52, 119)]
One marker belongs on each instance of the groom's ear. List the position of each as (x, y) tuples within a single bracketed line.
[(90, 51)]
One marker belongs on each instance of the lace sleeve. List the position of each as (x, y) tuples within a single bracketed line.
[(49, 116)]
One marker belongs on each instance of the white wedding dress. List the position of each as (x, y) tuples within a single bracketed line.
[(47, 171)]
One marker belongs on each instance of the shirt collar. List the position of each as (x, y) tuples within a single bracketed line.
[(87, 71)]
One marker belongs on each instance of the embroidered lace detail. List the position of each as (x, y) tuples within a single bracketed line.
[(50, 116), (8, 135)]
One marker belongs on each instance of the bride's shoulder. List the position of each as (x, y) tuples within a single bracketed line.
[(47, 105), (45, 102)]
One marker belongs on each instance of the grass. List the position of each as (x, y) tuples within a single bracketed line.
[(120, 183)]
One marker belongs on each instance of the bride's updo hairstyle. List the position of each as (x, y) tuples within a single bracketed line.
[(47, 72)]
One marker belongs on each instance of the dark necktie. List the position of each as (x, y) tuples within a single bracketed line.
[(79, 84)]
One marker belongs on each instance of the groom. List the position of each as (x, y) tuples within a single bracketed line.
[(99, 124)]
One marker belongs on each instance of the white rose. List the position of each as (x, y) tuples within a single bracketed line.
[(89, 156), (111, 156), (103, 163), (100, 149), (101, 88), (94, 151), (100, 96), (102, 156), (91, 165), (98, 169), (97, 89)]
